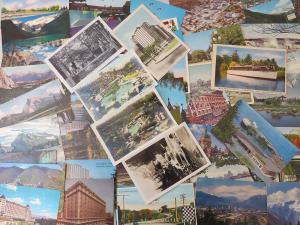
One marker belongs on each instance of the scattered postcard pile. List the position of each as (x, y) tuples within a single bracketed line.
[(120, 112)]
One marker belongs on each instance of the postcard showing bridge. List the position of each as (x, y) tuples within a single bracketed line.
[(249, 68)]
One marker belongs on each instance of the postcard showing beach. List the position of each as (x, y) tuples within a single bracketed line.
[(158, 48), (254, 141), (32, 30), (248, 68), (230, 202)]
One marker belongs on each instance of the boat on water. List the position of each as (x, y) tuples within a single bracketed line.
[(260, 72)]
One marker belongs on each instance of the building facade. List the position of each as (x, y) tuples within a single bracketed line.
[(75, 171)]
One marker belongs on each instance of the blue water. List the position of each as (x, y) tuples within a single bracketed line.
[(283, 121), (29, 18)]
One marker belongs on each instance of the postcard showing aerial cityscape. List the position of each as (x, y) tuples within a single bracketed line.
[(90, 49), (165, 164), (249, 68), (230, 202), (35, 141), (283, 203), (254, 141), (116, 85), (158, 48), (50, 176), (169, 209), (32, 30)]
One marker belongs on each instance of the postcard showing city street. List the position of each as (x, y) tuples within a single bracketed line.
[(168, 209), (28, 206), (165, 164), (158, 48), (90, 49), (115, 86), (248, 68), (32, 30), (283, 203), (230, 202), (254, 141), (128, 131)]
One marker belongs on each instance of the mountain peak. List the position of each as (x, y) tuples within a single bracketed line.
[(6, 82)]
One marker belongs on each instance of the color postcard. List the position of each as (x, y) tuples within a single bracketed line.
[(235, 96), (158, 48), (290, 173), (165, 164), (293, 135)]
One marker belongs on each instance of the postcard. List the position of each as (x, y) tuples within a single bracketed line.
[(115, 86), (45, 100), (290, 173), (235, 96), (50, 176), (32, 30), (158, 48), (165, 164), (122, 177), (254, 141), (79, 19), (175, 207), (128, 131), (91, 48), (226, 201), (28, 205), (248, 68), (293, 135)]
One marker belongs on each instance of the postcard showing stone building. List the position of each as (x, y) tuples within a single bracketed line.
[(90, 49), (254, 141), (32, 30), (158, 48), (126, 132), (163, 165), (116, 85)]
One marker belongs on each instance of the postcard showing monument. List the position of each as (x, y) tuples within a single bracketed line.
[(32, 30), (91, 48), (127, 131), (28, 205), (248, 68), (116, 85), (254, 141), (225, 201), (174, 208), (50, 176), (158, 48), (163, 165)]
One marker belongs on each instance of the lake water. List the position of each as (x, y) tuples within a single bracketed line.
[(33, 17), (283, 121)]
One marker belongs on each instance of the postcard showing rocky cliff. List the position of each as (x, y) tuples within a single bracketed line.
[(91, 48), (249, 68), (165, 164), (254, 141), (28, 205), (228, 202), (116, 85), (50, 176), (174, 208), (32, 30), (158, 48)]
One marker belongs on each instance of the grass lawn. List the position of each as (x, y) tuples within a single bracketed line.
[(171, 45), (131, 75)]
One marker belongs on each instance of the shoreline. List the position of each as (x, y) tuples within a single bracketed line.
[(8, 16)]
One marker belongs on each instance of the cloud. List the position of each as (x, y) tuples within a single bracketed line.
[(17, 200), (11, 187), (30, 2), (14, 6), (35, 201), (281, 197), (282, 6)]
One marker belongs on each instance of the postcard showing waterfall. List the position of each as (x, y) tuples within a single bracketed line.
[(126, 132), (254, 141), (32, 30), (158, 48), (248, 68), (166, 163), (90, 49), (116, 85)]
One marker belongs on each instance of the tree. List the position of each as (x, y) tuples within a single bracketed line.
[(235, 56), (4, 10), (248, 59), (164, 209)]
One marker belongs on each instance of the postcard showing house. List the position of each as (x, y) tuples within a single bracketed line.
[(126, 132), (35, 141), (28, 205), (90, 49), (32, 30), (283, 203), (248, 68), (254, 141), (225, 201), (165, 164), (158, 48), (113, 87), (290, 173), (50, 176), (171, 208)]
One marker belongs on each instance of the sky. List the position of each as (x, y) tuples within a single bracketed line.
[(30, 4), (199, 40), (180, 68), (273, 7), (42, 202), (25, 166), (200, 72), (279, 193), (42, 68)]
